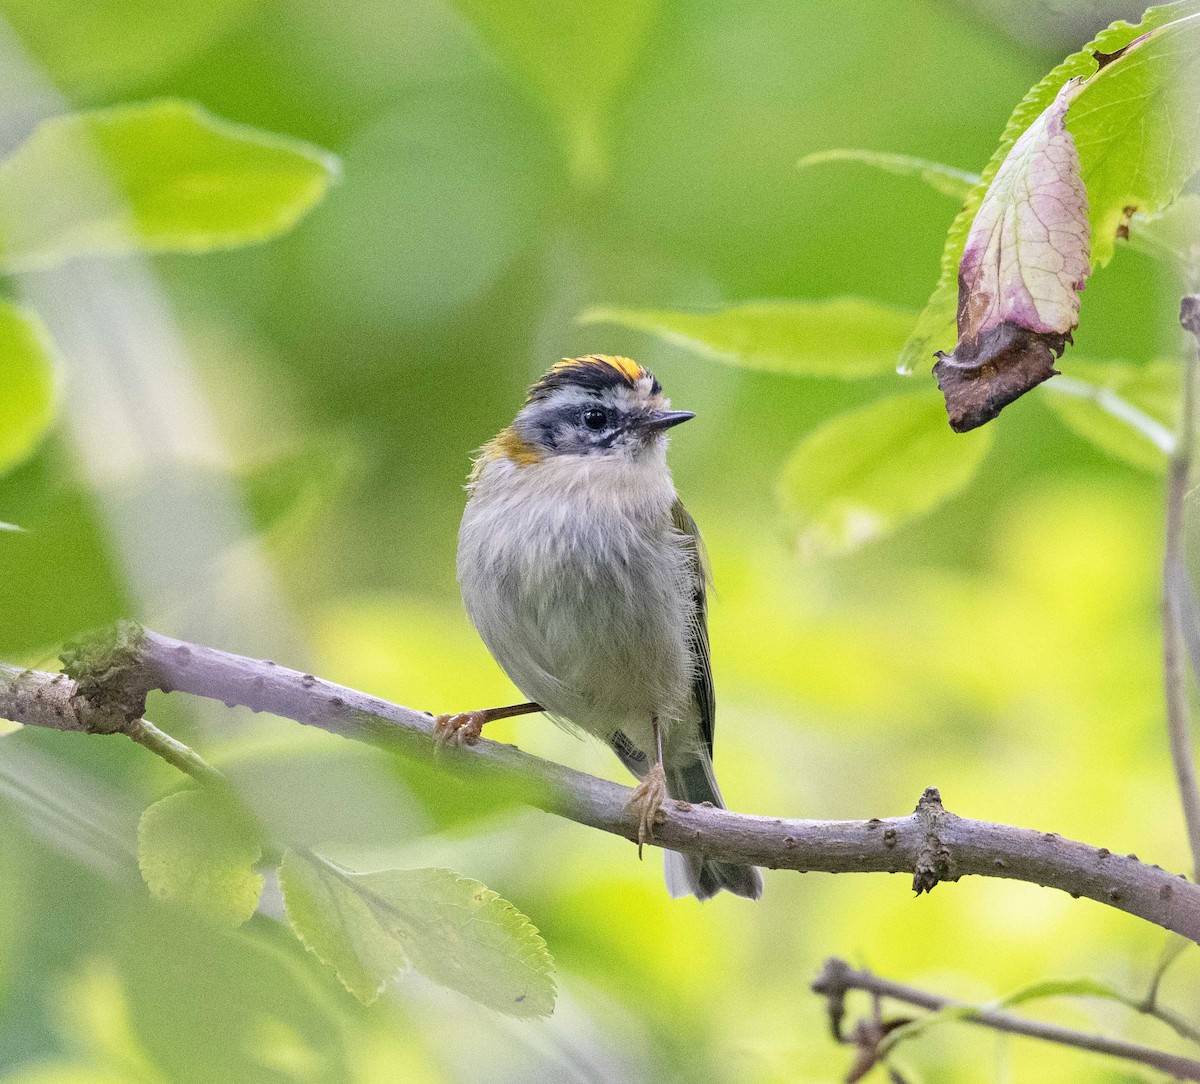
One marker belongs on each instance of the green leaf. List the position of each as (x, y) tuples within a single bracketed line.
[(285, 493), (868, 471), (1034, 992), (27, 393), (1173, 235), (1064, 988), (1128, 411), (181, 180), (456, 931), (839, 337), (935, 327), (575, 56), (199, 848), (106, 45), (1134, 126), (947, 180)]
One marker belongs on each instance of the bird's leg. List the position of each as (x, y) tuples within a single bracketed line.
[(647, 800), (464, 727)]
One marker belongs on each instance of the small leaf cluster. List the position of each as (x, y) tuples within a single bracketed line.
[(202, 849), (870, 470)]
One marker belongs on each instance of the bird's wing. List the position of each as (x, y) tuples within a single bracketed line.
[(702, 685)]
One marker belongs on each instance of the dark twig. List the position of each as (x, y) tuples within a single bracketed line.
[(838, 977), (111, 675)]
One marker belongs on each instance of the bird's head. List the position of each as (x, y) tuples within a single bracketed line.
[(596, 405)]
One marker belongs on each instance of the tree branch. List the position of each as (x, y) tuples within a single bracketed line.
[(1174, 600), (110, 675), (838, 977)]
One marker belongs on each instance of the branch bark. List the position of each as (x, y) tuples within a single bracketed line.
[(109, 677), (838, 977)]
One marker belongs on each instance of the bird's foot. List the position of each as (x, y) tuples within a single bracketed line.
[(462, 728), (647, 802)]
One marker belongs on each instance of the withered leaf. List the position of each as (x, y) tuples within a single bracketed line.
[(1025, 260)]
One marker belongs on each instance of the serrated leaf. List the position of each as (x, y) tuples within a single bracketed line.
[(1128, 411), (27, 396), (338, 925), (575, 56), (870, 470), (197, 847), (935, 327), (105, 45), (452, 929), (181, 180), (844, 337), (947, 180), (1134, 123)]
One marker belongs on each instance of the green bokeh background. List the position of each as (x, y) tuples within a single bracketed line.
[(506, 165)]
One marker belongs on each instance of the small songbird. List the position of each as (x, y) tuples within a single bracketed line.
[(586, 577)]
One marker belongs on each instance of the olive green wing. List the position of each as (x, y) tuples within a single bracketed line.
[(702, 686)]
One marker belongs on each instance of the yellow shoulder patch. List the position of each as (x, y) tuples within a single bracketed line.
[(507, 444)]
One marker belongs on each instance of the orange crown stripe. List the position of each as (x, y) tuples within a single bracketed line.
[(627, 367)]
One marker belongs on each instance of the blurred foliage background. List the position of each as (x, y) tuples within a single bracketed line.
[(295, 486)]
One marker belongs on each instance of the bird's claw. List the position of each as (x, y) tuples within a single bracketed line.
[(462, 728), (647, 801)]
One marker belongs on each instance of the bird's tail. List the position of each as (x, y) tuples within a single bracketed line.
[(704, 877)]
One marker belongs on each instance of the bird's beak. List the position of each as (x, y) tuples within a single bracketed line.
[(665, 419)]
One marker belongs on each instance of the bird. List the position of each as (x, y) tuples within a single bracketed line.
[(586, 578)]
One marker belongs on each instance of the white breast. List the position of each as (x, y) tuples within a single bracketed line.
[(578, 583)]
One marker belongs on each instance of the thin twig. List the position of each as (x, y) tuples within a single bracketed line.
[(174, 752), (1150, 1005), (837, 977), (108, 689), (1173, 603)]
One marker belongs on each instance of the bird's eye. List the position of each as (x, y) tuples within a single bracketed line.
[(595, 418)]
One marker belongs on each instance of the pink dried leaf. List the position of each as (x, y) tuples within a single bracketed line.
[(1025, 260)]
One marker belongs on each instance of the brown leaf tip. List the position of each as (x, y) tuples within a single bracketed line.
[(1103, 60), (984, 375), (1127, 213)]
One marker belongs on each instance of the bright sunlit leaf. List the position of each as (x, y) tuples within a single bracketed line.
[(870, 470), (27, 396), (164, 176), (452, 929), (838, 337), (1129, 411), (196, 847)]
